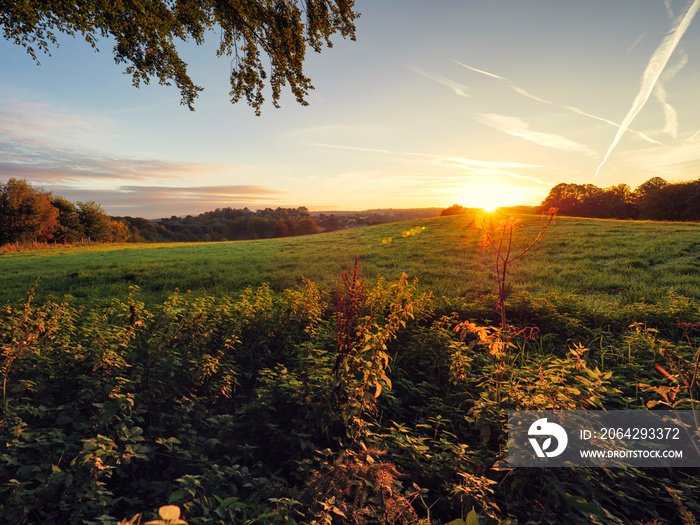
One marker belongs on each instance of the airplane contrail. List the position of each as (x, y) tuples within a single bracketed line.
[(651, 75), (479, 70), (569, 108), (670, 114)]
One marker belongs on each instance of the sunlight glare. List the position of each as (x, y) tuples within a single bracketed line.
[(491, 195)]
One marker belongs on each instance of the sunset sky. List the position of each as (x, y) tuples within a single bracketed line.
[(436, 103)]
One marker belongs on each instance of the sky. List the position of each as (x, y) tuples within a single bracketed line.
[(477, 103)]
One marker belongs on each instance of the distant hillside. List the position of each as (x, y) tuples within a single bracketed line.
[(224, 224), (340, 220), (228, 224)]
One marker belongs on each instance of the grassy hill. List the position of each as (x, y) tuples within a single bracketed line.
[(601, 262)]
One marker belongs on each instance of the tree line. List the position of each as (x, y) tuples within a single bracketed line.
[(227, 224), (30, 215), (655, 199)]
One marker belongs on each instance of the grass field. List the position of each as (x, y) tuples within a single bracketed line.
[(603, 264)]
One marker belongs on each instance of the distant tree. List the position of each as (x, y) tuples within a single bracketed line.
[(261, 228), (572, 199), (615, 202), (68, 228), (648, 187), (455, 209), (307, 226), (667, 203), (119, 231), (692, 209), (146, 34), (329, 223), (285, 228), (26, 213), (94, 222)]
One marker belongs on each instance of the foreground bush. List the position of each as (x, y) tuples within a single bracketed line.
[(356, 405)]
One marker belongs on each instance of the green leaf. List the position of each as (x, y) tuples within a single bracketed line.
[(584, 506)]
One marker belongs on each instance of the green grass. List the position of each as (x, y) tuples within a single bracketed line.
[(602, 265)]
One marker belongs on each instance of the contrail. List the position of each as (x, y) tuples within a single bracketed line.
[(569, 108), (479, 70), (651, 75), (670, 114), (692, 137), (459, 89)]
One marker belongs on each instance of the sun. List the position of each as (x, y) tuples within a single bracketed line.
[(489, 196)]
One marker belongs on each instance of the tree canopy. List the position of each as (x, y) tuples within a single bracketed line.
[(26, 214), (146, 36), (655, 199)]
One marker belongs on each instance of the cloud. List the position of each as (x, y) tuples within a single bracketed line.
[(195, 192), (47, 162), (670, 114), (21, 118), (443, 160), (452, 172), (38, 142), (651, 75), (612, 123), (456, 87), (492, 168), (480, 71), (160, 201), (672, 162), (636, 42), (518, 128), (50, 148), (351, 148), (527, 94), (692, 137)]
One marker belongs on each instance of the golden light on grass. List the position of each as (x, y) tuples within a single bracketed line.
[(491, 195)]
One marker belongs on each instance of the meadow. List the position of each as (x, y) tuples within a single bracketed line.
[(279, 381), (606, 262)]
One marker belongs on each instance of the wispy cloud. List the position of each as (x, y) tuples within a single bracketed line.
[(670, 113), (527, 94), (651, 75), (612, 123), (48, 145), (672, 162), (481, 71), (488, 168), (24, 118), (456, 87), (667, 5), (636, 42), (158, 201), (692, 137), (43, 161), (434, 157), (351, 148), (519, 128), (453, 168), (204, 192)]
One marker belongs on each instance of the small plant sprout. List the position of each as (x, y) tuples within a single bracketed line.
[(500, 240)]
